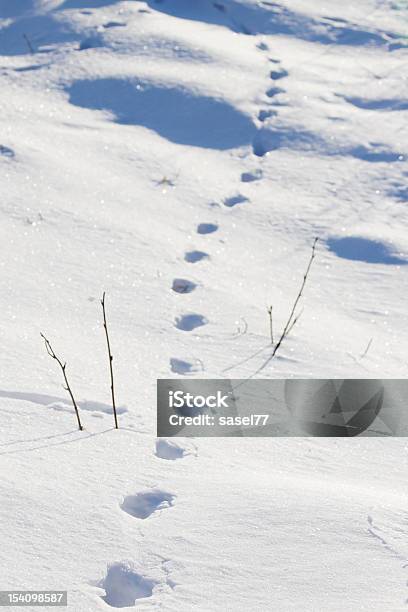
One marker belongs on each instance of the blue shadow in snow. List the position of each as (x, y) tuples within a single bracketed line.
[(19, 8), (376, 154), (35, 33), (15, 8), (270, 139), (269, 17), (398, 192), (362, 249), (177, 114), (386, 104), (86, 4)]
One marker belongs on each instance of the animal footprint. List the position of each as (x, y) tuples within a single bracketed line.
[(234, 200), (262, 46), (263, 115), (250, 177), (181, 285), (274, 91), (169, 450), (114, 24), (265, 141), (123, 585), (195, 256), (206, 228), (278, 74), (144, 504), (191, 321), (178, 366), (6, 152), (92, 42)]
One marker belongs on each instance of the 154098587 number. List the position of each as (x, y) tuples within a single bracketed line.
[(33, 598)]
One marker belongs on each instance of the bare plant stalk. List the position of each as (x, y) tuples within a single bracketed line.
[(63, 368), (293, 316), (29, 45), (367, 349), (110, 361), (270, 323)]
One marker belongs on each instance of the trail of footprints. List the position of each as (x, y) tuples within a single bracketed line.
[(261, 145), (265, 139), (124, 583)]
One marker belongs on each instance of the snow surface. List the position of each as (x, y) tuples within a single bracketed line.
[(182, 155)]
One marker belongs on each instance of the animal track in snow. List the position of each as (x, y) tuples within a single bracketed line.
[(206, 228), (191, 321), (182, 285), (262, 143), (169, 450), (92, 42), (124, 585), (144, 504), (195, 256), (274, 91), (114, 24), (390, 529), (178, 366), (234, 200), (278, 74), (263, 115), (250, 177), (262, 46), (6, 152)]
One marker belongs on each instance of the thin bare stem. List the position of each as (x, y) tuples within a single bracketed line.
[(293, 317), (29, 45), (270, 309), (67, 387), (110, 361), (367, 349), (295, 320)]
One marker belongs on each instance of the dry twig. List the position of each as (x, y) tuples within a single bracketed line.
[(270, 309), (110, 361), (29, 45), (63, 366), (293, 316)]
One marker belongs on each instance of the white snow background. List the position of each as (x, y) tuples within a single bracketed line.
[(148, 146)]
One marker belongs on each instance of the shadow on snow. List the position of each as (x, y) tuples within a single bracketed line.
[(177, 114)]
